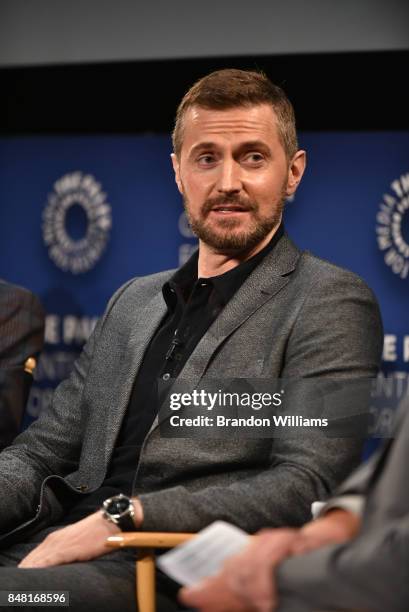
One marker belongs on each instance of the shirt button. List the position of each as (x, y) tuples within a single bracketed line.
[(166, 376)]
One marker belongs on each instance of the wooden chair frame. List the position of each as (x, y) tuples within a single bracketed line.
[(145, 563)]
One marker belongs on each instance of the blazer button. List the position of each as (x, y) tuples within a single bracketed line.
[(82, 488)]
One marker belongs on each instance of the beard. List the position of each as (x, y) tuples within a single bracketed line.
[(223, 235)]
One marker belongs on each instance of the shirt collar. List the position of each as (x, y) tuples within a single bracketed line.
[(226, 285)]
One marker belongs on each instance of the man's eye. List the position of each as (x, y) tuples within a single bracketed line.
[(254, 158), (205, 160)]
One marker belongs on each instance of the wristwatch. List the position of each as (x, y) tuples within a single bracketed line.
[(120, 510)]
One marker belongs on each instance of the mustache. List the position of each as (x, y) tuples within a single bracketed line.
[(235, 200)]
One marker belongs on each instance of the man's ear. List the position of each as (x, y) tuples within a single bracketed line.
[(295, 172), (176, 169)]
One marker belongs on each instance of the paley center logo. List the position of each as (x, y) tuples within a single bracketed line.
[(392, 226), (76, 222)]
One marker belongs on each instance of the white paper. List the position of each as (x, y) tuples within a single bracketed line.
[(204, 555)]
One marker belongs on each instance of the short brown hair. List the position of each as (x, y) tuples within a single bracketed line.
[(230, 88)]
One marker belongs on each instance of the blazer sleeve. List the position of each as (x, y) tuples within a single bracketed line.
[(361, 480), (21, 325), (51, 445), (368, 573), (21, 337)]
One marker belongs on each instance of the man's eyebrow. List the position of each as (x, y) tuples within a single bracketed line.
[(254, 144), (248, 144), (202, 145)]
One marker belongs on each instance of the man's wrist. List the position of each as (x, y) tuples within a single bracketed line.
[(124, 512), (338, 523), (111, 527), (353, 502), (138, 512)]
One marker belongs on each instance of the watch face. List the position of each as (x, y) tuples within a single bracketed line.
[(117, 505)]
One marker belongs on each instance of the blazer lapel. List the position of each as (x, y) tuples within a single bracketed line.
[(270, 276), (143, 328), (264, 282)]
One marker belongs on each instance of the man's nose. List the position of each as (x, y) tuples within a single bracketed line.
[(230, 177)]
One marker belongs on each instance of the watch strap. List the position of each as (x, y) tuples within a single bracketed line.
[(126, 522)]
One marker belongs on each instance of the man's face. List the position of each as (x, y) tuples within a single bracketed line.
[(233, 175)]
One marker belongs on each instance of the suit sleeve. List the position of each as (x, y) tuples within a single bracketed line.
[(368, 573), (21, 326), (21, 337), (337, 334), (51, 445), (351, 494)]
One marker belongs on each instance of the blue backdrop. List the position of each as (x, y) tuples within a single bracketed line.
[(110, 203)]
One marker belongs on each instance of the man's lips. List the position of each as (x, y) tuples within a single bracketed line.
[(232, 208)]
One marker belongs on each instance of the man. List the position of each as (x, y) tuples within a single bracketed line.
[(249, 304), (21, 337), (354, 557)]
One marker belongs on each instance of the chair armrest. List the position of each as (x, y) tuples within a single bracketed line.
[(148, 539)]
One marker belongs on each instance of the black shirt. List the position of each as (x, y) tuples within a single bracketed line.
[(193, 304)]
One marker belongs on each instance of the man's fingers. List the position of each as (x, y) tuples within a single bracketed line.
[(44, 562), (42, 558), (40, 561), (211, 595), (190, 595)]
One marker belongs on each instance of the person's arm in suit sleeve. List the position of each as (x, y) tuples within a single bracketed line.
[(51, 445), (365, 573), (368, 573), (21, 325), (351, 494), (21, 338), (337, 334)]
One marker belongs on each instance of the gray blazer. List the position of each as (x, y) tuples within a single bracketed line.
[(371, 572), (294, 316)]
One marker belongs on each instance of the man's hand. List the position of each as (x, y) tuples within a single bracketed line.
[(80, 541), (213, 595), (246, 583)]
